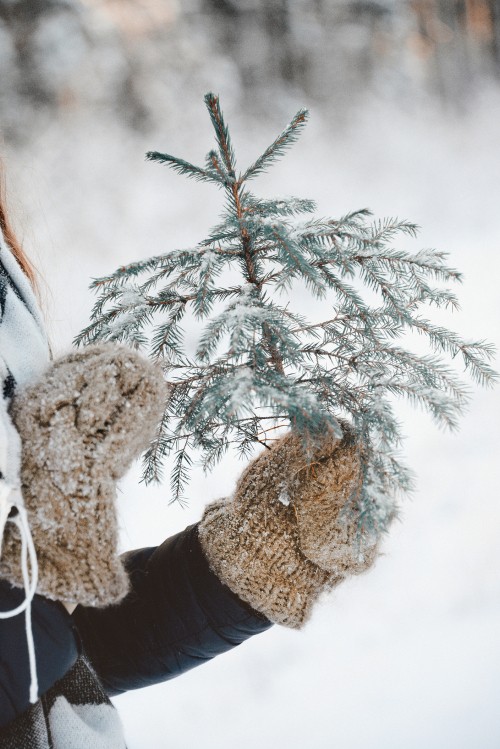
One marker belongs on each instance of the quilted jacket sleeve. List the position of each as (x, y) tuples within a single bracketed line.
[(177, 615)]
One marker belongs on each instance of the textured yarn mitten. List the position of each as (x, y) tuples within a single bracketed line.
[(92, 413), (280, 541)]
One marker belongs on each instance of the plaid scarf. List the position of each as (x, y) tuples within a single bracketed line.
[(24, 354), (75, 713)]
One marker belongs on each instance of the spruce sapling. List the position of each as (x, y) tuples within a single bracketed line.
[(261, 364)]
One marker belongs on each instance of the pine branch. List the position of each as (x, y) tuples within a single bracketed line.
[(183, 167), (260, 365), (222, 134), (278, 147)]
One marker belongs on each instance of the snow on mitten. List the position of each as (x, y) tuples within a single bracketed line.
[(92, 413), (280, 542)]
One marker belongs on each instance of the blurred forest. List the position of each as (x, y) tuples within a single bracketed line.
[(135, 58)]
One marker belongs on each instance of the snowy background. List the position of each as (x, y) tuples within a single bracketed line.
[(405, 112)]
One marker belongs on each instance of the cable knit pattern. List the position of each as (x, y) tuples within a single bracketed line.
[(281, 541), (93, 412)]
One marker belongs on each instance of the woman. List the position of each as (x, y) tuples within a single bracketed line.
[(100, 625)]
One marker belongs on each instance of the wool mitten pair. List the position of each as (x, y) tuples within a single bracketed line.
[(81, 426), (283, 539)]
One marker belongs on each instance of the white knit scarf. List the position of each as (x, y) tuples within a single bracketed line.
[(24, 355)]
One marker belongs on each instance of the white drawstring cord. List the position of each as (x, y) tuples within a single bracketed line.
[(27, 551)]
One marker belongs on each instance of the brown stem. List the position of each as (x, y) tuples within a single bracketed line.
[(252, 278)]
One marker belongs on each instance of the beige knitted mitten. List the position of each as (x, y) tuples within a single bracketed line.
[(93, 412), (280, 542)]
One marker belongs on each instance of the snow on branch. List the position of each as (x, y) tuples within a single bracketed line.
[(260, 364)]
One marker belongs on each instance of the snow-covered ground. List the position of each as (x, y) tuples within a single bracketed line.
[(409, 654)]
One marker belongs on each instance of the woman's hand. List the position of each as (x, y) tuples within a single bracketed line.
[(283, 538), (81, 426)]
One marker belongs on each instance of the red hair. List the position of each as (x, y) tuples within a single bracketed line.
[(11, 238)]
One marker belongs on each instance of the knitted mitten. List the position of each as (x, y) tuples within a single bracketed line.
[(93, 412), (280, 541)]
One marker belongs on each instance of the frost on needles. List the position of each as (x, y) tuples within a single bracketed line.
[(261, 364)]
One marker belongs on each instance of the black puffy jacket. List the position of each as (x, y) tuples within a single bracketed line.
[(176, 616)]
